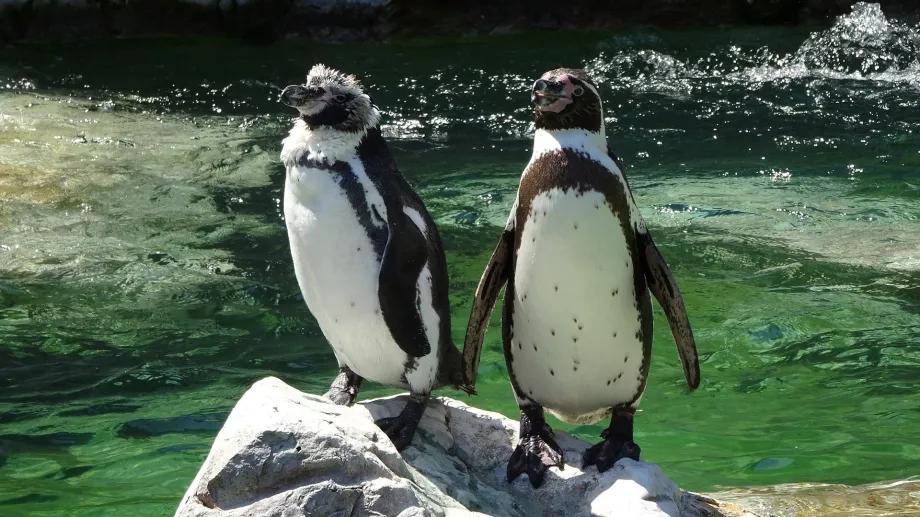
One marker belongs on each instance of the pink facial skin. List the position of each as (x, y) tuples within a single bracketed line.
[(563, 99)]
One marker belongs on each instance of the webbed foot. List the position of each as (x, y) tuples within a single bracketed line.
[(618, 443), (536, 450), (401, 428), (344, 388)]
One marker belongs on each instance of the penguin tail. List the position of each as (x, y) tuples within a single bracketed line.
[(465, 387), (456, 377)]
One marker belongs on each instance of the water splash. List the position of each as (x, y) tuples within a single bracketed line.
[(861, 45)]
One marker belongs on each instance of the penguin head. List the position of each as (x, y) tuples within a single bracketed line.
[(566, 98), (333, 100)]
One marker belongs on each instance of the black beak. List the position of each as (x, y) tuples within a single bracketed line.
[(546, 91), (296, 95)]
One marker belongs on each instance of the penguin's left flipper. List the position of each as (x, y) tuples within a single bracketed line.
[(662, 284), (404, 258), (493, 278)]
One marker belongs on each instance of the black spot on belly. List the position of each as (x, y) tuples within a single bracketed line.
[(519, 345), (534, 347), (620, 375), (614, 335), (359, 249), (574, 339), (574, 368), (608, 382), (579, 327), (352, 304), (614, 292), (625, 358), (556, 287), (551, 331), (576, 226), (551, 372), (575, 320)]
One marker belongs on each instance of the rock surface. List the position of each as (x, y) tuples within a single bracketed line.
[(288, 454)]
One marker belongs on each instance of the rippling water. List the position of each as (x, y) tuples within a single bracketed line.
[(145, 279)]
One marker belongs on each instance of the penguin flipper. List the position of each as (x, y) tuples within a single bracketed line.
[(404, 258), (616, 159), (662, 284), (493, 278)]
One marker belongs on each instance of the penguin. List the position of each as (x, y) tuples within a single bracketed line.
[(577, 262), (367, 255)]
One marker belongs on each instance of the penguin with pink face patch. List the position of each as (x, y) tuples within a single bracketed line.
[(577, 263)]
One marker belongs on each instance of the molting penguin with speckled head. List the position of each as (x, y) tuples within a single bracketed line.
[(367, 255), (579, 263)]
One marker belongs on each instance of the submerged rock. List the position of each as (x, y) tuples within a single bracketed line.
[(889, 499), (286, 453)]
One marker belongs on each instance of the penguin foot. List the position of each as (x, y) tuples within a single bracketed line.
[(536, 450), (340, 397), (344, 388), (605, 454), (618, 442), (401, 428)]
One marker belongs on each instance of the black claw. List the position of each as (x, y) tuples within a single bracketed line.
[(533, 456), (536, 450), (604, 455), (618, 443), (344, 389), (401, 429)]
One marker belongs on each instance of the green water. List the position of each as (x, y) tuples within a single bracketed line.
[(145, 280)]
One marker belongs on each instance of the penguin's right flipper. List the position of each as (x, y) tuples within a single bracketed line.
[(493, 278), (404, 258)]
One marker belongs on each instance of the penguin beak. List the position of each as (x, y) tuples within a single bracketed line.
[(297, 96), (552, 93)]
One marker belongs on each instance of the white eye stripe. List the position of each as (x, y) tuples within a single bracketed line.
[(593, 89), (599, 100)]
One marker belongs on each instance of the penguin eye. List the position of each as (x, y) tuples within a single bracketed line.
[(578, 91), (339, 98)]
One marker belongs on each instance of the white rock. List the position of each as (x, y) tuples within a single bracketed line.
[(283, 453)]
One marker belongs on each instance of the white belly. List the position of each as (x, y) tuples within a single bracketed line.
[(576, 347), (337, 270)]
